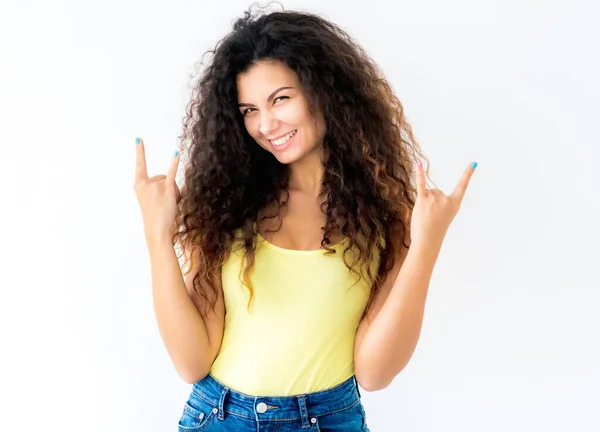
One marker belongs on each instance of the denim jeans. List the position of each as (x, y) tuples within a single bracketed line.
[(213, 407)]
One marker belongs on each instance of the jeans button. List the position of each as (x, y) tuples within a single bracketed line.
[(261, 407)]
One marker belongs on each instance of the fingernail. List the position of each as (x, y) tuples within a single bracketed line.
[(137, 141), (474, 165), (176, 154), (420, 164)]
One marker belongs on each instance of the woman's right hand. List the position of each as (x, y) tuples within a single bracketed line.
[(158, 196)]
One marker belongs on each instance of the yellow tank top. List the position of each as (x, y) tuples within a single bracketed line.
[(298, 335)]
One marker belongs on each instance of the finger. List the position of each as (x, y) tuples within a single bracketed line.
[(177, 194), (463, 183), (172, 173), (141, 170), (421, 184)]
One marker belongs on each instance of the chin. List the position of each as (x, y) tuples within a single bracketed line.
[(287, 159), (289, 155)]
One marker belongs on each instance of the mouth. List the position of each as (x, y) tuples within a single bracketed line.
[(279, 143)]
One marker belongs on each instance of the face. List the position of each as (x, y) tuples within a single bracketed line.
[(276, 112)]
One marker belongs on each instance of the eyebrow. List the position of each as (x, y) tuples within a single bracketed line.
[(269, 99)]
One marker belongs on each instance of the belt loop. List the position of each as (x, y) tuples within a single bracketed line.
[(357, 389), (303, 411), (221, 415)]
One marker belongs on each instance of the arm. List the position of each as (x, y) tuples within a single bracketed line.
[(191, 340), (388, 336)]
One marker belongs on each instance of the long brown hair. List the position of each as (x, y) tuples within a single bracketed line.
[(369, 150)]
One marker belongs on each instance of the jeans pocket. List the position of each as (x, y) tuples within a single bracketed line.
[(349, 419), (196, 417)]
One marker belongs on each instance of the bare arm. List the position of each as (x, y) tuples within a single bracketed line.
[(388, 336), (192, 340)]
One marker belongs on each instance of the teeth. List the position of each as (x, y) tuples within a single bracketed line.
[(283, 140)]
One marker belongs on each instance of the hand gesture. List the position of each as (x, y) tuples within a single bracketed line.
[(434, 211), (158, 196)]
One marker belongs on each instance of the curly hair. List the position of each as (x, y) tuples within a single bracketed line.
[(368, 151)]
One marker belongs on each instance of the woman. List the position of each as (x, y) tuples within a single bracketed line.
[(300, 218)]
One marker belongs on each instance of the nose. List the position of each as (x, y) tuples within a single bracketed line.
[(267, 123)]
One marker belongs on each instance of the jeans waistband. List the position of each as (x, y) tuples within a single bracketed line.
[(277, 408)]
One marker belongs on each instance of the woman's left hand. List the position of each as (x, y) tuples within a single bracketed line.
[(434, 210)]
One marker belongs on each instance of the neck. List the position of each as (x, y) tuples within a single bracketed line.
[(306, 174)]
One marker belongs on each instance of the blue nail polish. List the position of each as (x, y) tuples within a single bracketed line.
[(137, 141), (474, 165), (176, 154)]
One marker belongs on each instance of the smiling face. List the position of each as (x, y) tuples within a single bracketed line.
[(276, 112)]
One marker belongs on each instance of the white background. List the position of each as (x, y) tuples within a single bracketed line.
[(510, 339)]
